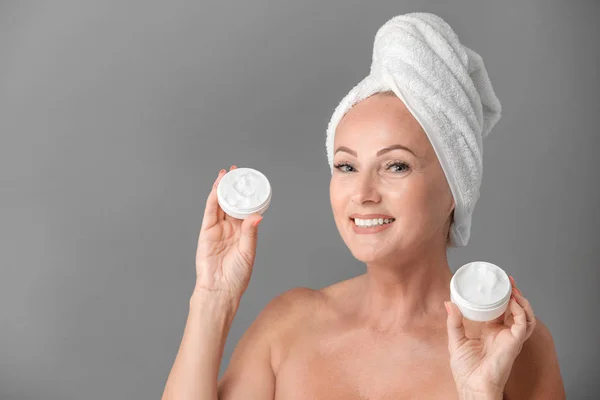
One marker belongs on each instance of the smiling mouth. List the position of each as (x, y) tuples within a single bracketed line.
[(372, 222)]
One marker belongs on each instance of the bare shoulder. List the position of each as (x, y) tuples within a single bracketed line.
[(252, 369), (283, 316), (293, 305), (535, 373), (290, 305), (299, 310)]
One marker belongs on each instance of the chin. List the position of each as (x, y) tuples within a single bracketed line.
[(368, 254)]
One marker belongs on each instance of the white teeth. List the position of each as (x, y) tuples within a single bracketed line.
[(372, 222)]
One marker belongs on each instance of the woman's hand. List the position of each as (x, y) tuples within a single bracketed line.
[(481, 366), (226, 249)]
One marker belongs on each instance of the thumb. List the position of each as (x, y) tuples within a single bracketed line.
[(249, 235), (456, 329)]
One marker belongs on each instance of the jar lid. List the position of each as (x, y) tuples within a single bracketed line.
[(480, 285), (244, 190)]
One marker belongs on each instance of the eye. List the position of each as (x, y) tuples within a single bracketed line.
[(401, 166), (340, 166), (397, 166)]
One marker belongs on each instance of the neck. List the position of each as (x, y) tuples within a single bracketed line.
[(404, 291)]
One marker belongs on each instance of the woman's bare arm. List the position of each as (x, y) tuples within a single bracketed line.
[(224, 263), (250, 373), (196, 368)]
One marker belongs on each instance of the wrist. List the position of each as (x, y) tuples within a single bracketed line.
[(214, 303)]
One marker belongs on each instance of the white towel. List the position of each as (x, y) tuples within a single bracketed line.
[(445, 86)]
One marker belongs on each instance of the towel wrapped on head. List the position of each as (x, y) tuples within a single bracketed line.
[(445, 86)]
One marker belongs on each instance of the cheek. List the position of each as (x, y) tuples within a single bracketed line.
[(430, 202), (339, 195), (412, 202)]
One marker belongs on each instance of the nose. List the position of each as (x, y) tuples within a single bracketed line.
[(365, 189)]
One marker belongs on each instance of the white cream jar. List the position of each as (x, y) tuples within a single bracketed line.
[(244, 191), (481, 290)]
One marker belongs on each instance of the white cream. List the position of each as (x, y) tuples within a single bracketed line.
[(481, 290), (482, 284), (244, 191)]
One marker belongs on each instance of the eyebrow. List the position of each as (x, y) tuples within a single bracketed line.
[(380, 152)]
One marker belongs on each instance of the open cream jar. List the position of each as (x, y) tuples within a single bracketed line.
[(481, 290), (244, 191)]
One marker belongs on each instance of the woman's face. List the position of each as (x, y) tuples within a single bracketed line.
[(374, 175)]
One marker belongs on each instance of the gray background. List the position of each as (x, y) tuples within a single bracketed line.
[(115, 117)]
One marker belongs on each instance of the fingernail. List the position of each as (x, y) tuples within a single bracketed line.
[(221, 171), (233, 167), (255, 223), (447, 307)]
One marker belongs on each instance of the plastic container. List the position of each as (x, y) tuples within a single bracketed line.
[(244, 191), (481, 290)]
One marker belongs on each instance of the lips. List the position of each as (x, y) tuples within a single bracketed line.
[(370, 229), (370, 216)]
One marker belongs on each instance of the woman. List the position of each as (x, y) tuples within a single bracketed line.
[(390, 333)]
